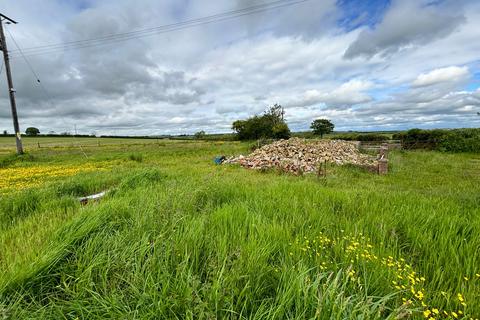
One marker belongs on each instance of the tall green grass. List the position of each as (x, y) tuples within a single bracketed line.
[(178, 237)]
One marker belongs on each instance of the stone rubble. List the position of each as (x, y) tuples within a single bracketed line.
[(301, 156)]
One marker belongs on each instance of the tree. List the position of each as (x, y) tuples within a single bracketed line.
[(32, 131), (200, 135), (5, 132), (275, 114), (281, 131), (322, 126), (239, 127), (269, 125)]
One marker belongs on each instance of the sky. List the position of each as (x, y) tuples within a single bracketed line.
[(365, 65)]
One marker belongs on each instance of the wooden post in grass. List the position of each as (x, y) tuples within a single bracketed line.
[(382, 166), (322, 169), (384, 150)]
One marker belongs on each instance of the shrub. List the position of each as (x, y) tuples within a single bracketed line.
[(461, 140), (361, 137), (269, 125), (200, 135), (281, 131), (455, 140)]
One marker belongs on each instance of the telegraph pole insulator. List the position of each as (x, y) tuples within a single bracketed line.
[(11, 90)]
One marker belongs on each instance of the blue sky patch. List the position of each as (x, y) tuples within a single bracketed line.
[(361, 13)]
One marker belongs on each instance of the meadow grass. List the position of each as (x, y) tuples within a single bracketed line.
[(179, 237)]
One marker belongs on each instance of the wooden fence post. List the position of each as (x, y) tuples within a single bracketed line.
[(382, 166)]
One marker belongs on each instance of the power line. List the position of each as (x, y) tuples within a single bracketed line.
[(208, 19), (24, 58), (110, 39), (161, 27)]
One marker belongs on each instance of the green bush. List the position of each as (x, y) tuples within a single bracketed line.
[(270, 125), (461, 140), (361, 137), (281, 131), (455, 140)]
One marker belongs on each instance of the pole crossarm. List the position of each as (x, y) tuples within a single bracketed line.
[(8, 19)]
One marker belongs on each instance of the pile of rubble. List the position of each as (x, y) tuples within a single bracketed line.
[(300, 156)]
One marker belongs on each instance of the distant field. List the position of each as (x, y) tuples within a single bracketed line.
[(178, 237), (7, 144)]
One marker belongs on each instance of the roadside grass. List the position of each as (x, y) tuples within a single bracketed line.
[(178, 237)]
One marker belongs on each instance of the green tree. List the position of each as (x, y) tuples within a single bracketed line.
[(200, 135), (270, 125), (281, 131), (239, 127), (321, 127), (275, 114), (5, 132), (32, 131)]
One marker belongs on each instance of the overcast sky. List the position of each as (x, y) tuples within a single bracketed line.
[(366, 65)]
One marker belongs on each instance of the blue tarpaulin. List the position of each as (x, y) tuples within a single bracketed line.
[(219, 159)]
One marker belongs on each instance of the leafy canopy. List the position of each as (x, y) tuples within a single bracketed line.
[(322, 126), (200, 134), (32, 131), (270, 125)]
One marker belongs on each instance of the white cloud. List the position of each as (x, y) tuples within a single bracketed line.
[(407, 23), (206, 77), (448, 74), (346, 95)]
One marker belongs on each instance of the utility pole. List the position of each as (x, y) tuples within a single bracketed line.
[(11, 90)]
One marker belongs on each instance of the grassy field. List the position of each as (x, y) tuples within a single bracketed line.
[(73, 143), (178, 237)]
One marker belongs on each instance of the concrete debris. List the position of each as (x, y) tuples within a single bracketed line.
[(299, 156)]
